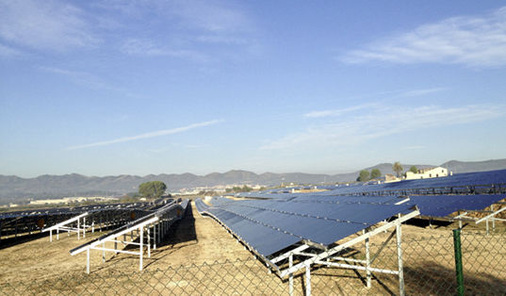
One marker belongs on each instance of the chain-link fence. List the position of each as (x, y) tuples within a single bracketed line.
[(429, 269)]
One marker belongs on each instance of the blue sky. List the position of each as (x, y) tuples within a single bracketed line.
[(148, 87)]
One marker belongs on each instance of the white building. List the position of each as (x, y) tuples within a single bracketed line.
[(427, 173)]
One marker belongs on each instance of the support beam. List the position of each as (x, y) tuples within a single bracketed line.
[(88, 261), (357, 267), (286, 255), (347, 244), (141, 247), (290, 264), (63, 226), (308, 280), (399, 259), (368, 263)]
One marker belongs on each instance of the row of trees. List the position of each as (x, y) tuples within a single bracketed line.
[(398, 169), (155, 189), (365, 175), (238, 189)]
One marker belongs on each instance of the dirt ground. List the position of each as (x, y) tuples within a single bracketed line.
[(194, 240), (201, 243)]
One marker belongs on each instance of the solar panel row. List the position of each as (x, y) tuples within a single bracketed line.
[(444, 205), (168, 210), (493, 181), (284, 223)]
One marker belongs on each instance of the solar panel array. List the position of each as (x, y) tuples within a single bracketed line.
[(465, 183), (168, 211), (444, 205), (269, 226), (277, 219), (28, 221)]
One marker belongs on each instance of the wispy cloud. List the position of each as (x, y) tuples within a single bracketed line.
[(196, 30), (210, 16), (337, 112), (147, 135), (6, 51), (88, 80), (421, 92), (376, 122), (419, 147), (47, 25), (389, 95), (476, 41), (147, 48)]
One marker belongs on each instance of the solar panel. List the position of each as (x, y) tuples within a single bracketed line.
[(269, 226), (464, 183), (325, 217), (444, 205)]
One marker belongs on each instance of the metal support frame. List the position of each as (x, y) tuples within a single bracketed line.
[(112, 238), (327, 257), (149, 229), (64, 226), (491, 217)]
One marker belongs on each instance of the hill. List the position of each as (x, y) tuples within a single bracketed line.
[(15, 189)]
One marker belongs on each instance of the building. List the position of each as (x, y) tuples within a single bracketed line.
[(427, 173), (389, 178)]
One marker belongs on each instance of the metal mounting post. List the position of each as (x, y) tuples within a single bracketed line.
[(141, 247), (290, 279), (88, 261), (399, 258), (368, 263), (308, 280)]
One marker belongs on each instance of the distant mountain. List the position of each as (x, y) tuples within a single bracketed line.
[(14, 189), (474, 166)]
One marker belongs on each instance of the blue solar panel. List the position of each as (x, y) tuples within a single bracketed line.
[(282, 218), (262, 238), (444, 205), (269, 226), (457, 183)]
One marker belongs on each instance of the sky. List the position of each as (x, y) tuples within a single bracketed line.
[(104, 88)]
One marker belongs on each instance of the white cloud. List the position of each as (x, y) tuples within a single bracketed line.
[(337, 112), (143, 47), (7, 51), (390, 95), (146, 135), (379, 122), (477, 41), (210, 16), (200, 31), (421, 92), (88, 80), (47, 25)]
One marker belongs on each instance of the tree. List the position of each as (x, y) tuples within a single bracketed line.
[(413, 169), (397, 168), (363, 176), (375, 173), (153, 189)]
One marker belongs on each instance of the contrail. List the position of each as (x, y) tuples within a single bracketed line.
[(147, 135)]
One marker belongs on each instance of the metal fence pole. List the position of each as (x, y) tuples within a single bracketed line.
[(458, 262)]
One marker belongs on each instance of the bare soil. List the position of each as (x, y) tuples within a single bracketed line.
[(215, 263)]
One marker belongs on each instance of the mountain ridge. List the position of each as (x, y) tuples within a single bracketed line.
[(14, 188)]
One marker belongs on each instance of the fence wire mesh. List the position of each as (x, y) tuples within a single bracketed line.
[(429, 269)]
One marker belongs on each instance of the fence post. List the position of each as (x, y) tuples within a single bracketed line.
[(458, 262)]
